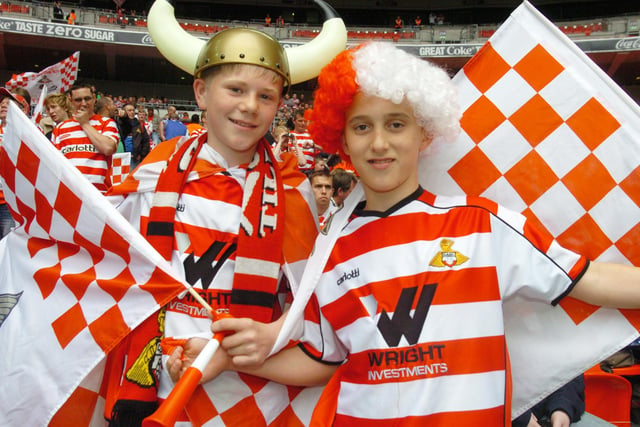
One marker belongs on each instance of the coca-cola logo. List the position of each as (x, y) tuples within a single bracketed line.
[(628, 44), (5, 25), (146, 39)]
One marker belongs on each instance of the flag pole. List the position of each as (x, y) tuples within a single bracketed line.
[(169, 410)]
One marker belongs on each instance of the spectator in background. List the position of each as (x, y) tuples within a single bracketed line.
[(58, 13), (133, 135), (58, 107), (398, 23), (174, 127), (106, 107), (148, 126), (87, 139), (71, 17), (24, 99), (322, 191), (163, 123), (304, 142), (343, 182), (194, 124), (267, 21)]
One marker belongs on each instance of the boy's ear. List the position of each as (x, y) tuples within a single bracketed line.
[(426, 140), (200, 91)]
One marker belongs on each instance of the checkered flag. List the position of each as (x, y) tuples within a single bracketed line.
[(547, 133), (85, 278), (57, 78), (120, 167)]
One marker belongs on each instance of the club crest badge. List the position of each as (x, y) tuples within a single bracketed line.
[(447, 257)]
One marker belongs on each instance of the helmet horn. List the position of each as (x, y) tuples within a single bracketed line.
[(305, 62)]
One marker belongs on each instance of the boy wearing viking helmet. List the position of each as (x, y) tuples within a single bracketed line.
[(234, 220)]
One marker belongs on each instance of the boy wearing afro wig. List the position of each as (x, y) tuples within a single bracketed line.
[(407, 319)]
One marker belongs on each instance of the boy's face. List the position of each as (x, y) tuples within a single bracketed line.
[(383, 140), (242, 102), (56, 112)]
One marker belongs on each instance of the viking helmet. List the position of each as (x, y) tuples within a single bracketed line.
[(246, 46)]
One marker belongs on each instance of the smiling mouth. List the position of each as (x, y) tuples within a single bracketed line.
[(380, 161), (243, 124)]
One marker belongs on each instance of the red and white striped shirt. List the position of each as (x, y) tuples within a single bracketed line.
[(412, 299), (73, 142), (206, 229), (307, 146)]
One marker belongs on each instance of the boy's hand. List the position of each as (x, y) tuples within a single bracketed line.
[(183, 357), (249, 342)]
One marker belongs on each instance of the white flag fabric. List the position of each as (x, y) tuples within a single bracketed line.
[(75, 278), (548, 134), (56, 78)]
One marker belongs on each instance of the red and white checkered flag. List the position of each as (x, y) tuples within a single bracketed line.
[(120, 167), (75, 278), (57, 78), (37, 111), (548, 134)]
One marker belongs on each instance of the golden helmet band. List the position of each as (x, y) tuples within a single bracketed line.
[(246, 46)]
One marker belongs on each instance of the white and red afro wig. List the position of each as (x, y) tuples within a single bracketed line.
[(381, 69)]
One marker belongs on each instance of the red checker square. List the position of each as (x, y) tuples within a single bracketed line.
[(113, 242), (96, 252), (576, 309), (35, 245), (118, 286), (589, 181), (28, 163), (44, 211), (628, 245), (481, 118), (7, 170), (109, 328), (631, 185), (244, 413), (79, 407), (536, 120), (287, 418), (200, 407), (25, 214), (160, 285), (592, 123), (633, 316), (538, 67), (67, 204), (69, 325), (486, 68), (78, 283), (474, 173), (531, 177), (47, 278), (585, 237)]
